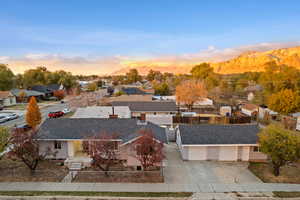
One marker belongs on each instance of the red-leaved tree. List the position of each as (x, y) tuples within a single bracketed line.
[(25, 147), (149, 151), (59, 94), (103, 150)]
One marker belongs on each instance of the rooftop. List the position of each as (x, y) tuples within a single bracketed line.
[(80, 128), (148, 106), (218, 134)]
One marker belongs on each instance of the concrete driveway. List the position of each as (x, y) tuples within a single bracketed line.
[(192, 172)]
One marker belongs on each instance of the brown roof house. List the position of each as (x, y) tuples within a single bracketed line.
[(249, 109), (7, 99)]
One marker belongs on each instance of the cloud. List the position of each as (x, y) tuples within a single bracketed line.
[(110, 64)]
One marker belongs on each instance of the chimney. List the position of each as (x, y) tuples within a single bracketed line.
[(143, 117), (113, 116)]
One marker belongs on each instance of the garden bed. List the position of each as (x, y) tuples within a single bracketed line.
[(288, 174), (16, 171)]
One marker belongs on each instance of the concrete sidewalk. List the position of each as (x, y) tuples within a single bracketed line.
[(147, 187)]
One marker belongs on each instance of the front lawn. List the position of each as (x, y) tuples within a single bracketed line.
[(120, 176), (16, 171), (287, 194), (288, 174)]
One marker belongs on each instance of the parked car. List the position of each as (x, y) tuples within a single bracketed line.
[(3, 119), (55, 114), (12, 116), (66, 110)]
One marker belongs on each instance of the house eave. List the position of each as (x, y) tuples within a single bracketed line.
[(196, 145)]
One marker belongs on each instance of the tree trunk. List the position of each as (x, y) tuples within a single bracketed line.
[(276, 170)]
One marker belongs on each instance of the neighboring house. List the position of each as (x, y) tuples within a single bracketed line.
[(297, 116), (161, 120), (164, 98), (225, 111), (103, 112), (204, 102), (264, 110), (142, 108), (43, 89), (27, 95), (251, 90), (250, 96), (145, 110), (219, 142), (65, 136), (55, 87), (130, 90), (249, 109), (7, 98)]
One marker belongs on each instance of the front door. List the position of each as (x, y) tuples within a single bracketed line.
[(78, 150)]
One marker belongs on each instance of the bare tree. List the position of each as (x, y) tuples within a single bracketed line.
[(149, 151), (103, 150), (25, 147)]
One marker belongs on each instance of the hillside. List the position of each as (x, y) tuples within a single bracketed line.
[(246, 62)]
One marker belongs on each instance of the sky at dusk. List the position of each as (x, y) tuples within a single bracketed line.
[(102, 36)]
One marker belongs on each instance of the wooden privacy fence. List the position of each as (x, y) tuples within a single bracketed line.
[(211, 120)]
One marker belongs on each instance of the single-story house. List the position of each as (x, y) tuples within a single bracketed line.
[(225, 110), (297, 117), (263, 110), (44, 89), (249, 109), (55, 87), (219, 142), (7, 98), (251, 91), (18, 93), (103, 112), (65, 136), (140, 109)]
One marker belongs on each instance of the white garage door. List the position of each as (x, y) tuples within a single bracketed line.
[(212, 153)]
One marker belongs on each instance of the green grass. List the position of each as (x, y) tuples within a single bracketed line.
[(287, 194), (110, 194)]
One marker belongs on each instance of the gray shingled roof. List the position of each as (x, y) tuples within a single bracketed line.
[(150, 106), (28, 93), (80, 128), (218, 134)]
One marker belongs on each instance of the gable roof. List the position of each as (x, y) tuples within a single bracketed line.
[(5, 94), (28, 93), (218, 134), (133, 90), (102, 112), (54, 87), (148, 106), (249, 106), (81, 128), (41, 88)]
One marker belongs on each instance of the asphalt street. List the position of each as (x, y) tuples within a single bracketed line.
[(44, 111)]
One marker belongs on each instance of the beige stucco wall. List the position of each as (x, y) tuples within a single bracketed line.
[(60, 153), (256, 156), (10, 101)]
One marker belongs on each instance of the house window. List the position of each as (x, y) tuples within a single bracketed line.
[(256, 149), (57, 145), (139, 168)]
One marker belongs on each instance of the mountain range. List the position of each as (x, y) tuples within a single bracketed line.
[(251, 61)]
